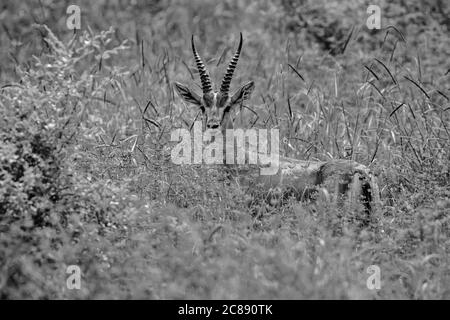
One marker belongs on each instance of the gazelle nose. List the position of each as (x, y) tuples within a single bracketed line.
[(213, 124)]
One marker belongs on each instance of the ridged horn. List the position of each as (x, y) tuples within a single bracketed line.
[(225, 86), (204, 77)]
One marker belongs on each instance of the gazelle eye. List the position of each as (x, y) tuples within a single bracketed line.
[(207, 104)]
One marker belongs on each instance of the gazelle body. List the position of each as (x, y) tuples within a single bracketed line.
[(294, 177)]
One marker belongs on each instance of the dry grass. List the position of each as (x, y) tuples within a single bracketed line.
[(141, 227)]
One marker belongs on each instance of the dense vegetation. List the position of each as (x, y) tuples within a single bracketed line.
[(86, 177)]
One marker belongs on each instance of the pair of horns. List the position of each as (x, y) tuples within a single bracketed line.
[(204, 76)]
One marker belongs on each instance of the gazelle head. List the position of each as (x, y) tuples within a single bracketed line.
[(216, 105)]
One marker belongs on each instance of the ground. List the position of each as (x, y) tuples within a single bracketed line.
[(86, 177)]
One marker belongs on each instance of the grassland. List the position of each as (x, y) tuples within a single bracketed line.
[(86, 177)]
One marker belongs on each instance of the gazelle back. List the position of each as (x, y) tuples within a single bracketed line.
[(294, 177)]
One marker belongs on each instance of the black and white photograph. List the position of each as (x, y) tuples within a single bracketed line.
[(240, 152)]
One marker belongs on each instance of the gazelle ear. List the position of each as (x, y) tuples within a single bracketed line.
[(187, 94), (243, 93)]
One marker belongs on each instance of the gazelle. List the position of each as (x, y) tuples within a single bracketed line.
[(294, 177)]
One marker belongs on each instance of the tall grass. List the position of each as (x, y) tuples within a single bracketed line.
[(86, 176)]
